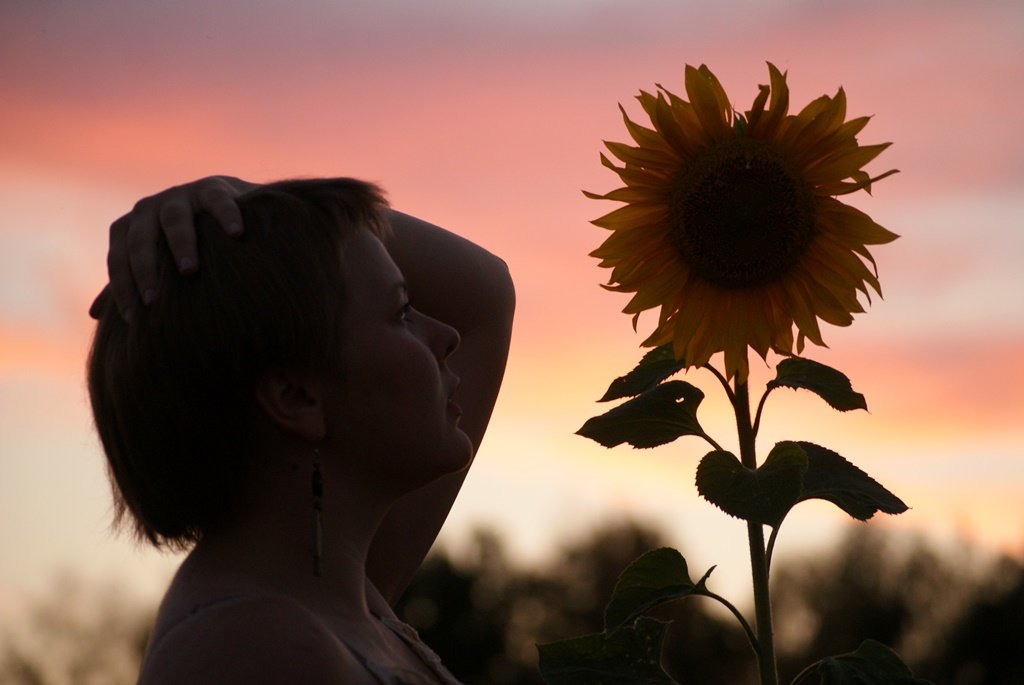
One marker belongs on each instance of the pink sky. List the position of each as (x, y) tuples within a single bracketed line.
[(487, 118)]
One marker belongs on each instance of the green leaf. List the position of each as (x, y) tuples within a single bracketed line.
[(871, 664), (824, 381), (656, 417), (762, 496), (830, 477), (658, 576), (628, 656), (656, 366)]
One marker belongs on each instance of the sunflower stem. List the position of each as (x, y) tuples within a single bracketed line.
[(771, 546), (722, 379), (760, 408), (711, 441), (758, 558), (739, 617)]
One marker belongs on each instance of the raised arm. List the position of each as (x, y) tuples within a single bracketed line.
[(465, 286)]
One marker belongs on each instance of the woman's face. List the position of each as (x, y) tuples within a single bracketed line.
[(396, 412)]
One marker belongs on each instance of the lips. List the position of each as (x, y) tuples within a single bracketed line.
[(454, 406)]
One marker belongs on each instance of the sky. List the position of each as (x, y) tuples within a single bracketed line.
[(487, 118)]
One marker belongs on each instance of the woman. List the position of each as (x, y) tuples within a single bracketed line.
[(286, 413)]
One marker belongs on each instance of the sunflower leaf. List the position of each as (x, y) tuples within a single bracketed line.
[(825, 382), (656, 366), (658, 416), (762, 496), (832, 478), (628, 656), (870, 664), (658, 576)]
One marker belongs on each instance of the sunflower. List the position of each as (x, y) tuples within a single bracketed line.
[(731, 223)]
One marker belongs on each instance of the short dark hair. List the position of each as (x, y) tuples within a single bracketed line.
[(173, 392)]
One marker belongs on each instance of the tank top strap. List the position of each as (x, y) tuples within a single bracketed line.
[(380, 608)]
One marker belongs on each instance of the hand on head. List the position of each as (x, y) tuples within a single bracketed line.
[(135, 237)]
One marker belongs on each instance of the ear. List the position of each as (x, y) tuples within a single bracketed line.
[(294, 402)]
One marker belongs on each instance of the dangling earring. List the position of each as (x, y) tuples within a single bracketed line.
[(318, 508)]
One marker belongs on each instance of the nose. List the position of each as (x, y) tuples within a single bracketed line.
[(444, 340)]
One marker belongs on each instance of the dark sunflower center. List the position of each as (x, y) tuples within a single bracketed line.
[(739, 217)]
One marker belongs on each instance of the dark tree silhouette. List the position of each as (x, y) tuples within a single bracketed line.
[(985, 646), (954, 620), (78, 634), (562, 599), (462, 612), (950, 623)]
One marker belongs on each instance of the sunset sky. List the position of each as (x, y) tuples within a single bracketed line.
[(487, 117)]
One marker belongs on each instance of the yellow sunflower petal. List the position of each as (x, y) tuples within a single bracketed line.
[(760, 322), (843, 164), (710, 102), (634, 176), (766, 124), (630, 194), (619, 242), (855, 224), (777, 322), (839, 273), (632, 215), (688, 183), (653, 294), (806, 130), (666, 123), (859, 183), (647, 138), (644, 157), (828, 307), (799, 305)]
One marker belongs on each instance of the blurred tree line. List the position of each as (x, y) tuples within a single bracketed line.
[(953, 620), (78, 634)]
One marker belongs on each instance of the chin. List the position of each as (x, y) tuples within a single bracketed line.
[(454, 455), (461, 454)]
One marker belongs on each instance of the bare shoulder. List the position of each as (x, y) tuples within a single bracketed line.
[(249, 640)]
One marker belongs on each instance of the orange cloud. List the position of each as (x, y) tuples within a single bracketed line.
[(31, 352)]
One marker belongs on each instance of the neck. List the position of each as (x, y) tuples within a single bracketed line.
[(268, 544)]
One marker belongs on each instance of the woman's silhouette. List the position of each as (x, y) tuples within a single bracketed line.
[(298, 410)]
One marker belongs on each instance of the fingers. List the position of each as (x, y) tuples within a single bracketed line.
[(121, 287), (216, 196), (97, 306), (135, 237), (178, 223), (178, 209)]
